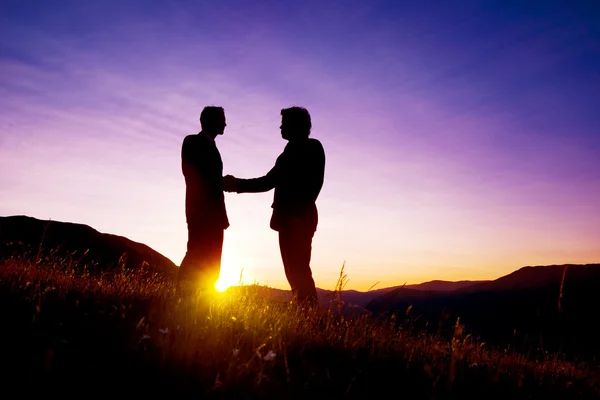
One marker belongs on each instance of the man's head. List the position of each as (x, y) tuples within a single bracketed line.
[(295, 123), (212, 120)]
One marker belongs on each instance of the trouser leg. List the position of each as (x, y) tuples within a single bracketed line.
[(295, 244), (202, 261)]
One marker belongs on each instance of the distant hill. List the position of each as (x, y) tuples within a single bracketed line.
[(443, 286), (537, 276), (80, 243), (420, 290), (430, 286)]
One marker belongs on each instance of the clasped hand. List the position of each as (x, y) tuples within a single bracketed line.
[(229, 183)]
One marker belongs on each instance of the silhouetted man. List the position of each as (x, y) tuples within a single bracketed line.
[(297, 178), (204, 201)]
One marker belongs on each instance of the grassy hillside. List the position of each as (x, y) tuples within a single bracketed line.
[(127, 332), (543, 308)]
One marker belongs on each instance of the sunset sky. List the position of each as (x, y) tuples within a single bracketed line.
[(462, 137)]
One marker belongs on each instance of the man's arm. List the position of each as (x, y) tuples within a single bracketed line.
[(257, 185)]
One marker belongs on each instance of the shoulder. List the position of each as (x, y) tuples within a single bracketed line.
[(191, 146), (314, 142), (190, 140), (315, 145), (195, 140)]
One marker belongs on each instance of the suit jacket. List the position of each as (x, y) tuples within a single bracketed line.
[(297, 178), (203, 171)]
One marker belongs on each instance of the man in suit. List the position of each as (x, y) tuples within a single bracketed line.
[(204, 201), (297, 178)]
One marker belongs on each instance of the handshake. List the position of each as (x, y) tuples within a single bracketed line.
[(230, 184)]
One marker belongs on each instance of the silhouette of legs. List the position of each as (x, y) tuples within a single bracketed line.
[(202, 262), (295, 244)]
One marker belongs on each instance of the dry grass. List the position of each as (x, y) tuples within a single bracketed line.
[(129, 331)]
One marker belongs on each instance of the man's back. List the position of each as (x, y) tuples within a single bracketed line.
[(301, 169), (203, 170)]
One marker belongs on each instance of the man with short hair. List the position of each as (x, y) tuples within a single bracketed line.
[(204, 201), (297, 178)]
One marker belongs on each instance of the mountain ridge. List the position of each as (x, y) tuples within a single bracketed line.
[(80, 243)]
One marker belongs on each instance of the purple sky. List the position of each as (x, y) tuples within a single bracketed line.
[(462, 142)]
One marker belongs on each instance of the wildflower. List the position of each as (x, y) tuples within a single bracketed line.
[(236, 352), (145, 336), (270, 356), (164, 331)]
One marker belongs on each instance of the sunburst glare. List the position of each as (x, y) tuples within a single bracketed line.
[(233, 269)]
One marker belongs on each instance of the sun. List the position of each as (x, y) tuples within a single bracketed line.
[(232, 268), (225, 282)]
